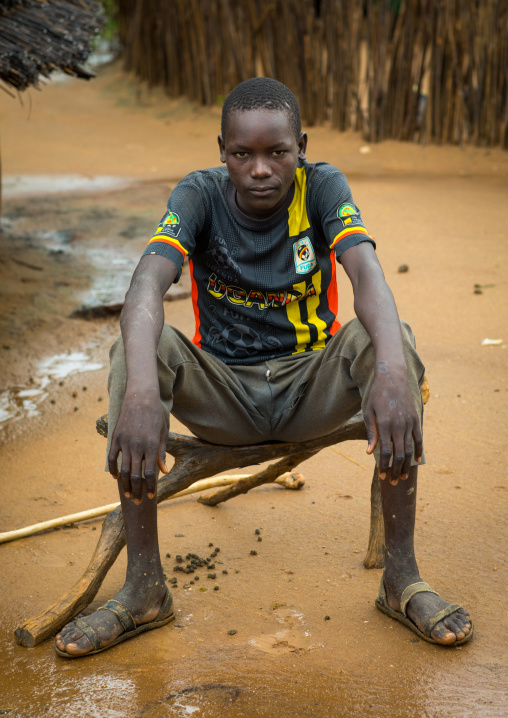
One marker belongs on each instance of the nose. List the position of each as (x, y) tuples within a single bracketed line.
[(260, 168)]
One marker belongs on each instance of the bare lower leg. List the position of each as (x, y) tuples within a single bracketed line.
[(144, 588), (401, 570)]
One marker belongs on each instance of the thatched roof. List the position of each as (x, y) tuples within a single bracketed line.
[(39, 36)]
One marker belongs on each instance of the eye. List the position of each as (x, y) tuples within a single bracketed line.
[(240, 155), (279, 153)]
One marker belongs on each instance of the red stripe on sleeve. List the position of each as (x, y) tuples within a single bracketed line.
[(332, 296), (197, 336), (175, 245)]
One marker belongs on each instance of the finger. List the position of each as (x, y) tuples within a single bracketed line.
[(385, 453), (151, 482), (137, 487), (397, 463), (125, 474), (418, 439), (161, 461), (114, 450), (151, 463), (372, 433), (408, 455)]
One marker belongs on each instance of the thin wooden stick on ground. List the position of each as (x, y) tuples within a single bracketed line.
[(287, 480)]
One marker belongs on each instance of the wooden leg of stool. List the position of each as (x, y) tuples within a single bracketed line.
[(266, 476), (375, 556)]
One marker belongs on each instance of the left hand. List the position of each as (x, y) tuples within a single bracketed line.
[(392, 421)]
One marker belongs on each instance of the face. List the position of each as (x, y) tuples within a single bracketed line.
[(261, 153)]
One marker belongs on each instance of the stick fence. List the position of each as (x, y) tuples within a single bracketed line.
[(419, 70)]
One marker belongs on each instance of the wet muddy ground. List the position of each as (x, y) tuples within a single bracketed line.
[(59, 252)]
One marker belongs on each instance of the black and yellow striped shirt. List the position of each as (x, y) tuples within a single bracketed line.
[(261, 288)]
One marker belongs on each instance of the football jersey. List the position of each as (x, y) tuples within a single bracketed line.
[(261, 288)]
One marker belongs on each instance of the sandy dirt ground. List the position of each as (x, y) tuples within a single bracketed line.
[(441, 211)]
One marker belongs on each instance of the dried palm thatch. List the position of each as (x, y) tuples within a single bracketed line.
[(422, 70), (40, 36)]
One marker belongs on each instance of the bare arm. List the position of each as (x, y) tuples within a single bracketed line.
[(390, 415), (140, 433)]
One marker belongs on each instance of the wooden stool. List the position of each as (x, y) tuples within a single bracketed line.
[(194, 460)]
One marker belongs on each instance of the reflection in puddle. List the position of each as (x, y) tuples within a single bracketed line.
[(20, 185), (112, 273), (22, 402), (62, 365), (96, 696)]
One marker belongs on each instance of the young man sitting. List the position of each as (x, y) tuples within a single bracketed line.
[(269, 360)]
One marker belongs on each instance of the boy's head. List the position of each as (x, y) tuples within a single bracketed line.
[(262, 93), (261, 143)]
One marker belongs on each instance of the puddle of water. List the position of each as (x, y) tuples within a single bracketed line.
[(22, 185), (112, 273), (62, 365), (55, 241), (23, 402)]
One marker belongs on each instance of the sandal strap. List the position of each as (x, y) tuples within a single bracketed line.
[(412, 590), (439, 616), (165, 609), (122, 613), (90, 633)]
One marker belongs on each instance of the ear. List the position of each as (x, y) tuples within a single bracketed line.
[(222, 148), (302, 146)]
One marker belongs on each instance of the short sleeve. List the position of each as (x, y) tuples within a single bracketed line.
[(341, 219), (175, 236)]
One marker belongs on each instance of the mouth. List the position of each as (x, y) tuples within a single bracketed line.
[(262, 191)]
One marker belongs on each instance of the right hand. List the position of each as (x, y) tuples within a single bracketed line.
[(140, 435)]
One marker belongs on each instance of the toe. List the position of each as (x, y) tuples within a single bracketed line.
[(455, 627), (79, 647), (442, 634)]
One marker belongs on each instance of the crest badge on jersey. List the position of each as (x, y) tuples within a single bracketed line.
[(305, 258), (171, 225), (348, 215)]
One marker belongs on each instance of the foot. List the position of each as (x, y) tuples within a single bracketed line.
[(143, 608), (423, 606)]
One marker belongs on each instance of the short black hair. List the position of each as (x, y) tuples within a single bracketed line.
[(262, 93)]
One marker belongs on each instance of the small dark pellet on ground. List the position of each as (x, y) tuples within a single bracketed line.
[(212, 575), (74, 394), (224, 570), (215, 588), (232, 632), (237, 570), (403, 268), (52, 401), (99, 399), (192, 582), (259, 538), (253, 553), (478, 291), (257, 532), (94, 528), (327, 618), (196, 578), (186, 585), (168, 555), (76, 408), (179, 558), (210, 544)]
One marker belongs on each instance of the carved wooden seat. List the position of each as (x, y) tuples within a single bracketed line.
[(195, 460)]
